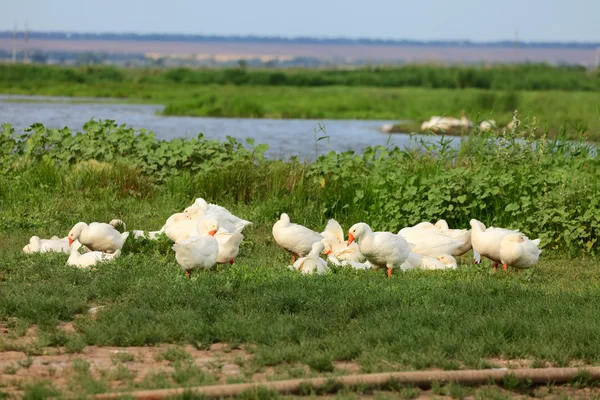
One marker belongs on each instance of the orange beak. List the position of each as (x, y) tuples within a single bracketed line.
[(70, 241), (439, 259), (212, 233), (350, 238), (328, 252)]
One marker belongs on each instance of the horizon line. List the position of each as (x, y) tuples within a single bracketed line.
[(74, 35)]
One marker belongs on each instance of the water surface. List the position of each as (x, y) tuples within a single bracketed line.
[(285, 137)]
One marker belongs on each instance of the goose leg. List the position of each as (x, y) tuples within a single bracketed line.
[(495, 267), (293, 258), (505, 267), (188, 274), (231, 261), (389, 272)]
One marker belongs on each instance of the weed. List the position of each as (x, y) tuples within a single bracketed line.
[(188, 373), (172, 354), (26, 363), (39, 390), (122, 357), (11, 369), (75, 344)]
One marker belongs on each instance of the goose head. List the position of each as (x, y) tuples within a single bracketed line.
[(327, 248), (447, 259), (208, 226), (356, 231), (75, 232)]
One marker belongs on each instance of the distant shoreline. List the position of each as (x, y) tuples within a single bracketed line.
[(120, 36)]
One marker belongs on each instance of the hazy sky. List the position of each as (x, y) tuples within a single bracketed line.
[(478, 20)]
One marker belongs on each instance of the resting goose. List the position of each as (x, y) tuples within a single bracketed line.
[(90, 259), (295, 238), (312, 263)]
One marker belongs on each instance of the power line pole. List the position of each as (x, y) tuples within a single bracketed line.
[(517, 46), (26, 53), (14, 45)]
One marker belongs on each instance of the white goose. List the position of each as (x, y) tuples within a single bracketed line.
[(487, 241), (98, 236), (199, 251), (429, 242), (229, 245), (226, 219), (443, 261), (178, 227), (347, 263), (90, 259), (295, 238), (463, 235), (333, 239), (519, 251), (54, 244), (312, 263), (381, 249)]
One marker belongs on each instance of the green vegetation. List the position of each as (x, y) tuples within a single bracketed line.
[(556, 96), (500, 77), (414, 320)]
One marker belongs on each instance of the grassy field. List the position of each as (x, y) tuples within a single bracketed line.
[(268, 321), (554, 107)]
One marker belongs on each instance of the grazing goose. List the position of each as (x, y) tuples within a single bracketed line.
[(229, 245), (487, 241), (519, 251), (295, 238), (98, 236), (381, 249)]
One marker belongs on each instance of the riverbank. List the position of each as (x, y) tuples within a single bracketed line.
[(215, 93), (572, 112)]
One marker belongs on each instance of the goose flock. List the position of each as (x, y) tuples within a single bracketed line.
[(207, 234)]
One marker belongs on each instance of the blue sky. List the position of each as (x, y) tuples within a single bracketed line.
[(477, 20)]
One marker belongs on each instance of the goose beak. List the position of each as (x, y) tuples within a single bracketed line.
[(70, 241), (212, 233), (350, 238), (328, 252), (439, 259)]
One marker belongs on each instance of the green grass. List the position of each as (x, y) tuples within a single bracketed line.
[(554, 107), (414, 320)]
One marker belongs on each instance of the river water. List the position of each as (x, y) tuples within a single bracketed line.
[(285, 137)]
